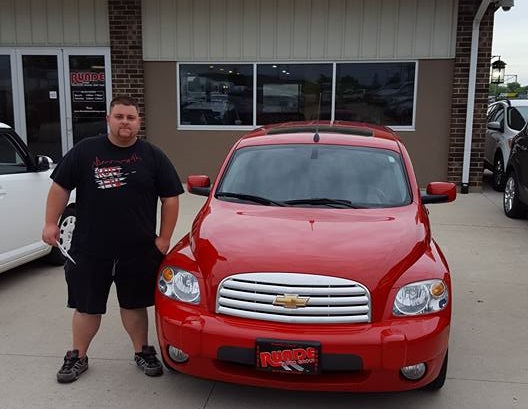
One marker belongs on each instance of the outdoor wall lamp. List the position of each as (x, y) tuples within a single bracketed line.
[(497, 71)]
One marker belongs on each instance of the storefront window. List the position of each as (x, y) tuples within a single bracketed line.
[(216, 94), (293, 92), (380, 93), (6, 93), (222, 94)]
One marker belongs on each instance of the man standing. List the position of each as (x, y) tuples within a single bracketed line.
[(118, 179)]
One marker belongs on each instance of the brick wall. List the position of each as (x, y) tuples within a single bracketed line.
[(466, 13), (126, 49)]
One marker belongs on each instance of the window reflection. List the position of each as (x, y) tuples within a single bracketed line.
[(216, 94), (88, 95), (6, 95), (380, 93), (367, 177), (222, 94), (292, 92)]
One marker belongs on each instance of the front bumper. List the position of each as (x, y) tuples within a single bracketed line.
[(354, 357)]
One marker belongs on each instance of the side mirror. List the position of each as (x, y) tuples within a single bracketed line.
[(43, 162), (495, 126), (439, 192), (199, 185)]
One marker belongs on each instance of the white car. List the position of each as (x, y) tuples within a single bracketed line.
[(24, 184), (506, 118)]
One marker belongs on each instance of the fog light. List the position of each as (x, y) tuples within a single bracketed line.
[(413, 372), (177, 355)]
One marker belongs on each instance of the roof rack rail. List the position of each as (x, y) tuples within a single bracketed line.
[(506, 99)]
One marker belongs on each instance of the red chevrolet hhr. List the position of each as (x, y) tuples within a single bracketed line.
[(311, 266)]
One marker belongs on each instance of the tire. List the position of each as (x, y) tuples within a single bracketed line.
[(513, 207), (66, 228), (439, 381), (499, 177)]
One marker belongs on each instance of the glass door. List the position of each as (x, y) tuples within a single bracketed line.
[(54, 97), (89, 74), (42, 105)]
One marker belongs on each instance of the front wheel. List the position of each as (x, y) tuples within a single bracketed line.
[(513, 207), (66, 228)]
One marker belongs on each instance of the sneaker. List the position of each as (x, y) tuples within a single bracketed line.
[(146, 360), (72, 367)]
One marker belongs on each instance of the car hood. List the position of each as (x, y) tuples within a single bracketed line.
[(372, 246)]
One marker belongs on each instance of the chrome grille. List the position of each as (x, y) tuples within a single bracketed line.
[(330, 299)]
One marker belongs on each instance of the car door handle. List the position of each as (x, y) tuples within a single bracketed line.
[(3, 193)]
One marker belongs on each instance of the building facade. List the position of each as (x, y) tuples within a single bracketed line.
[(206, 71)]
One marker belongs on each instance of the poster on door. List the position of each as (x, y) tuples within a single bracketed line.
[(88, 96), (88, 92)]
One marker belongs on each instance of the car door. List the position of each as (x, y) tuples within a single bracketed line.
[(23, 192), (490, 145), (522, 163)]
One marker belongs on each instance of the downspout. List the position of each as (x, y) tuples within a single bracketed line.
[(471, 93)]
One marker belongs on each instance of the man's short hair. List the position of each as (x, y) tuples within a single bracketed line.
[(124, 100)]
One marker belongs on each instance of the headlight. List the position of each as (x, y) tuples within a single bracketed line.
[(421, 298), (179, 285)]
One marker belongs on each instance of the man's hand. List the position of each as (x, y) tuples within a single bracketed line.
[(55, 205), (162, 244), (50, 234)]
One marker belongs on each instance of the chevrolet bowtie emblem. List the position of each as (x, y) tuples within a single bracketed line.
[(290, 301)]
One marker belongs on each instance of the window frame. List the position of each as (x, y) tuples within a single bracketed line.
[(19, 167), (184, 127)]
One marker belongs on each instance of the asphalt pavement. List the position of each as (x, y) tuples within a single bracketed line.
[(488, 368)]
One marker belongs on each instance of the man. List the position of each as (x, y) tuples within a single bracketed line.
[(118, 179)]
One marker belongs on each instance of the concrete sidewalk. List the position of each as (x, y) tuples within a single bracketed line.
[(488, 256)]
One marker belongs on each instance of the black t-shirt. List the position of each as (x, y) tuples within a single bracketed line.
[(117, 194)]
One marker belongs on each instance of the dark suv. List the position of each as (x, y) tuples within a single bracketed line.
[(516, 189)]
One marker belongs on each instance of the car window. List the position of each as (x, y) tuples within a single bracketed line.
[(366, 177), (515, 118), (523, 110), (10, 159), (498, 116), (492, 110)]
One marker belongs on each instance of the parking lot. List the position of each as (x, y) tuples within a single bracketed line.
[(488, 368)]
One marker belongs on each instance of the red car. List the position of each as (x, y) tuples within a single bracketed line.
[(311, 266)]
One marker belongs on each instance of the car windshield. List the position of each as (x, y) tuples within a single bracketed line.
[(330, 176)]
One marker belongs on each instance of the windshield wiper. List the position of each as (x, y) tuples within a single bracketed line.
[(251, 198), (337, 203)]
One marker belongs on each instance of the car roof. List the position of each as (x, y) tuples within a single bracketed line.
[(519, 102), (513, 102), (334, 133)]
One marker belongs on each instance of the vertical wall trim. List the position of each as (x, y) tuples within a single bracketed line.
[(126, 49)]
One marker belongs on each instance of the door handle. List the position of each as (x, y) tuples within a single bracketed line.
[(3, 193)]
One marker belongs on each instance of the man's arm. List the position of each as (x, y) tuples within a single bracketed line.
[(170, 207), (57, 200)]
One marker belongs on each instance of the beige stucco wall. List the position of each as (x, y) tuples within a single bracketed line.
[(264, 30), (202, 152)]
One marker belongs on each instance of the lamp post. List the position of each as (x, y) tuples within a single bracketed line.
[(498, 68)]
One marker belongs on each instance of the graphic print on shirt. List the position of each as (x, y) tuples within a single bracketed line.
[(109, 174)]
